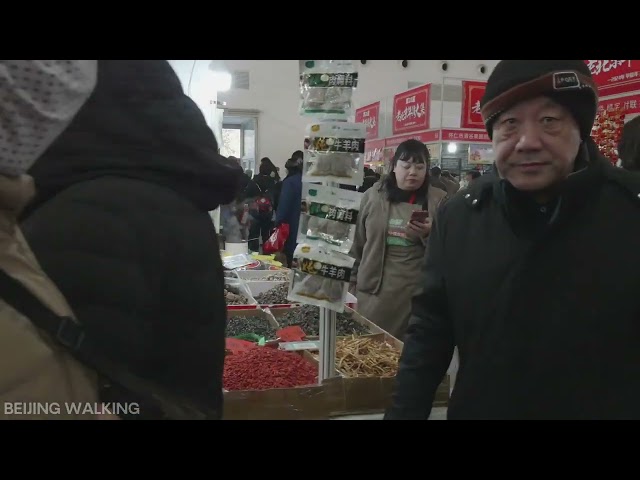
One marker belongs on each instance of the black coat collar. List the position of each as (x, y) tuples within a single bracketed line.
[(529, 218)]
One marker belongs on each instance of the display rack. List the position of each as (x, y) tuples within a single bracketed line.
[(327, 316), (327, 330)]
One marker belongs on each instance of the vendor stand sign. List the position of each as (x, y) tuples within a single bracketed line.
[(480, 154), (370, 116), (615, 76), (411, 110), (465, 135), (472, 93), (628, 104)]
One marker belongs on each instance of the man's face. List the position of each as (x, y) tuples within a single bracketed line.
[(536, 143), (468, 178)]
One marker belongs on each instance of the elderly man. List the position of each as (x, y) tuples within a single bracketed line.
[(543, 305)]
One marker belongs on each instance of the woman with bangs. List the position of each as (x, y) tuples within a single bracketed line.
[(393, 227)]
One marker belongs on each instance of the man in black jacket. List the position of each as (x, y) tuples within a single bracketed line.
[(533, 275), (121, 224)]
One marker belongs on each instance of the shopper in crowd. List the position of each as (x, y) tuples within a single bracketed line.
[(471, 176), (274, 174), (389, 244), (121, 223), (542, 298), (435, 178), (451, 184), (370, 179), (262, 207), (231, 213), (39, 100), (273, 171), (629, 145), (289, 204), (247, 194), (297, 156)]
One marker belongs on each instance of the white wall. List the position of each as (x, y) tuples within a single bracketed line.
[(194, 76), (379, 79), (274, 92)]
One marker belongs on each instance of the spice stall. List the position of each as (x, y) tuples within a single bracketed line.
[(314, 356), (268, 385)]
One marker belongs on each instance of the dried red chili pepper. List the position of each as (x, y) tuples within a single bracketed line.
[(265, 368)]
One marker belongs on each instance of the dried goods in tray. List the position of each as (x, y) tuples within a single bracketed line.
[(366, 357), (238, 326), (308, 318), (264, 368)]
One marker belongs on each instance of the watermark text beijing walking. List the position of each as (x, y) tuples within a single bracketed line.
[(71, 408)]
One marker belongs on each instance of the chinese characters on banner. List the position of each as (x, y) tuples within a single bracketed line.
[(615, 76), (629, 104), (424, 137), (472, 93), (370, 116), (411, 110), (465, 136)]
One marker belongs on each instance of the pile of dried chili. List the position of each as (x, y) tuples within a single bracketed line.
[(263, 368)]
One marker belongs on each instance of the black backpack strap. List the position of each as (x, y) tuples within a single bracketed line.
[(73, 336)]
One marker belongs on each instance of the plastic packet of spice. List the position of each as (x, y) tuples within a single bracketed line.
[(326, 88), (329, 217), (321, 278), (335, 153)]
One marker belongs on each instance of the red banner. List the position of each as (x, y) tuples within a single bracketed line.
[(424, 137), (411, 110), (370, 116), (629, 104), (615, 76), (472, 93), (465, 136)]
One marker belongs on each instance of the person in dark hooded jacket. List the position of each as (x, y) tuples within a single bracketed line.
[(532, 273), (290, 204), (262, 207), (121, 224)]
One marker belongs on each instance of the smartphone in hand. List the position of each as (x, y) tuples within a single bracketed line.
[(419, 216)]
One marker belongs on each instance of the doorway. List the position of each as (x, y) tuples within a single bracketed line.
[(240, 138)]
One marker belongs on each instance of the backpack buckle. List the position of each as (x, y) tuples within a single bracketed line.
[(70, 333)]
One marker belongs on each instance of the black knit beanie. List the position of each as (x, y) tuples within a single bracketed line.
[(567, 82)]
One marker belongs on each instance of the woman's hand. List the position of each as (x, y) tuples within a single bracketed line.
[(418, 230)]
